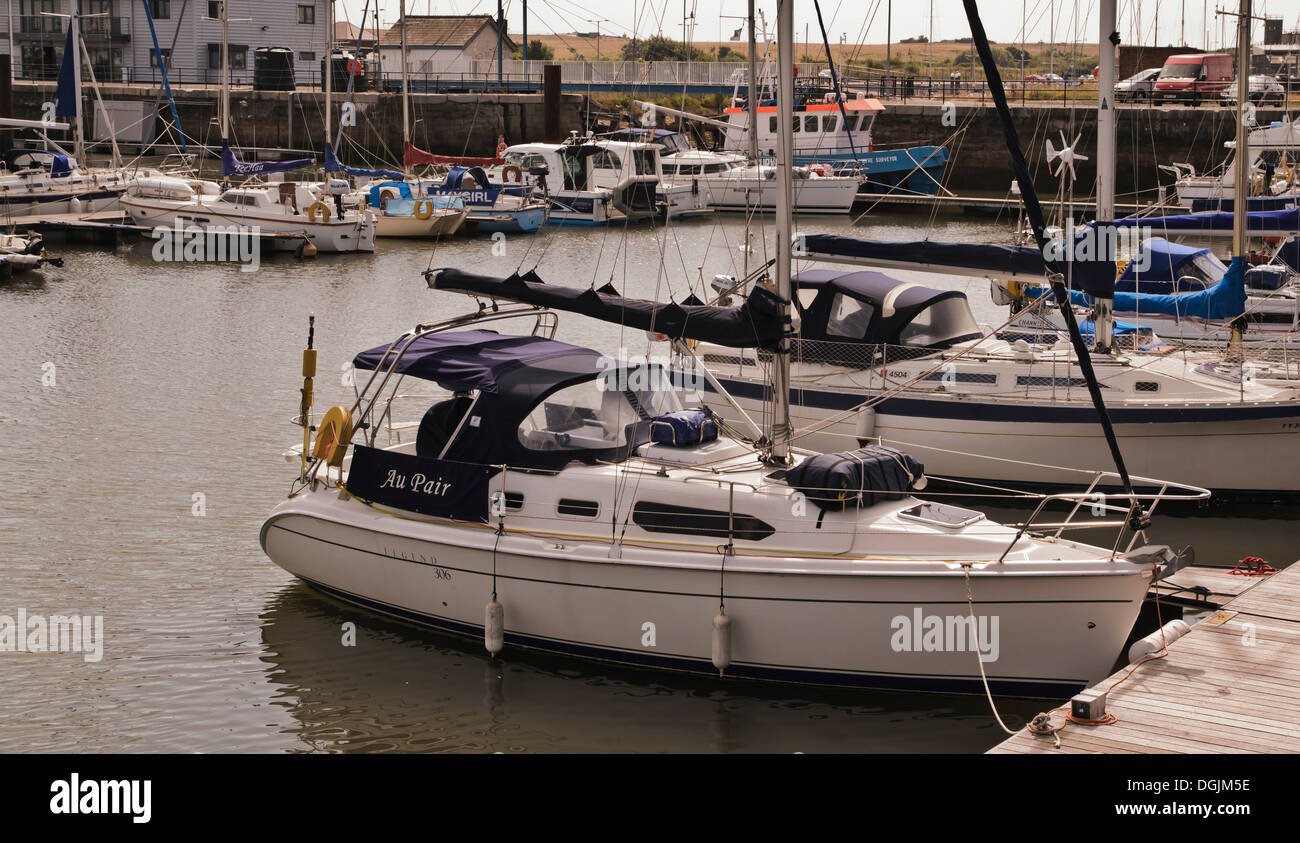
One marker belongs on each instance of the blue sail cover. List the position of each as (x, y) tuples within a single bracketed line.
[(65, 96), (232, 166), (332, 165), (1096, 277), (1270, 222), (1225, 300)]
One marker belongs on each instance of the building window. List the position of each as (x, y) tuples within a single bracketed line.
[(160, 9), (153, 57), (307, 55), (238, 57), (214, 9), (306, 14)]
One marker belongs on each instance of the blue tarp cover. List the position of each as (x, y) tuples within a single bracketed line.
[(1225, 300), (1286, 220)]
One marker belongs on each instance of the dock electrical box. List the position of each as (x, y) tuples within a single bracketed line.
[(1088, 705)]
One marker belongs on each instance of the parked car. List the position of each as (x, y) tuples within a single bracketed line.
[(1140, 86), (1035, 77), (1053, 77), (1262, 89), (1194, 78)]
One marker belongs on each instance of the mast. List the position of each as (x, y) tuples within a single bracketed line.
[(1107, 41), (1241, 161), (74, 21), (329, 67), (784, 223), (1034, 213), (751, 104), (225, 71), (406, 103)]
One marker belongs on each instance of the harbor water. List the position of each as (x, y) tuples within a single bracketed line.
[(147, 407)]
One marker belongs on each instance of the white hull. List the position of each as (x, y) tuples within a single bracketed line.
[(811, 196), (961, 437), (443, 223), (793, 618), (355, 233)]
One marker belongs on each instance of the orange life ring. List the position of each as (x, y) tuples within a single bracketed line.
[(511, 168), (332, 436)]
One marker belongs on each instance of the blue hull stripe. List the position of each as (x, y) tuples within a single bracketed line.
[(1015, 412)]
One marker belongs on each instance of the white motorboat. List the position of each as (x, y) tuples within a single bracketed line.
[(287, 211), (588, 181), (1274, 155)]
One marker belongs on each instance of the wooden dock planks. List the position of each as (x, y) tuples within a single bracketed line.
[(1230, 685)]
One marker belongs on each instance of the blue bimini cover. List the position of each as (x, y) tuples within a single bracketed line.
[(464, 360), (1165, 264)]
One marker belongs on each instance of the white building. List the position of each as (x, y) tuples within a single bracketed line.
[(439, 44), (121, 46)]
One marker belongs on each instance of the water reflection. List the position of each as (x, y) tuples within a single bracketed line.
[(403, 689)]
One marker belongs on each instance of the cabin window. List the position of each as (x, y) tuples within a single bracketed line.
[(797, 123), (1147, 386), (645, 162), (945, 321), (606, 160), (849, 317), (577, 508), (810, 123), (829, 122), (690, 521), (688, 169), (514, 500), (582, 417), (771, 124), (851, 123), (715, 168)]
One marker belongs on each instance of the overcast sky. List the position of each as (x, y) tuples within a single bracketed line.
[(861, 21)]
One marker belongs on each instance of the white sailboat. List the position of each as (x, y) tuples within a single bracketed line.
[(553, 502), (56, 180), (292, 214)]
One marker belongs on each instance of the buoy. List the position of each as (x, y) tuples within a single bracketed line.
[(721, 640), (866, 426), (305, 249), (1155, 642), (494, 627)]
